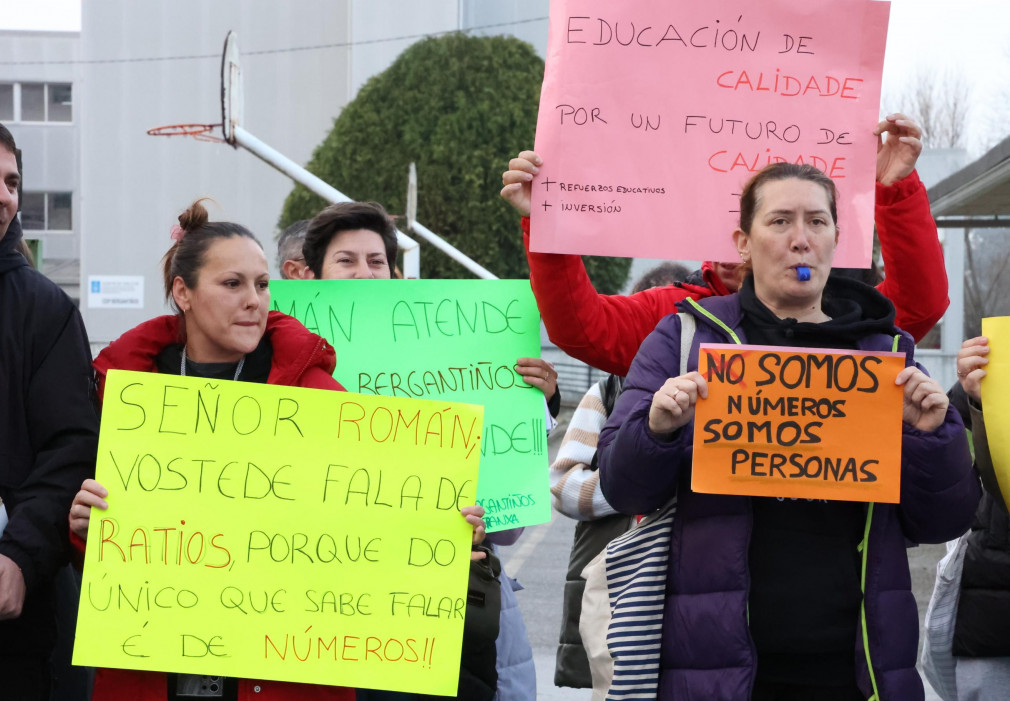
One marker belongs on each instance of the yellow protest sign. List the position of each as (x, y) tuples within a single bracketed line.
[(282, 533), (801, 423), (996, 397)]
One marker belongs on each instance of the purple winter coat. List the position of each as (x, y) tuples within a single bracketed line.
[(707, 652)]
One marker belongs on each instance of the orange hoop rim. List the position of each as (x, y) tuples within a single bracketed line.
[(200, 132)]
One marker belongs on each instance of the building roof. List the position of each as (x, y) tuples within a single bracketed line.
[(980, 189)]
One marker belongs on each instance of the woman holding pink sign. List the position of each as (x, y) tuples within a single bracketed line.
[(605, 331), (772, 598)]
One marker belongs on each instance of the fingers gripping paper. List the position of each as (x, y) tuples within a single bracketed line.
[(653, 115), (279, 533)]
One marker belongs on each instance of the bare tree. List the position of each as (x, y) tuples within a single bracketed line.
[(939, 103), (986, 277), (995, 126)]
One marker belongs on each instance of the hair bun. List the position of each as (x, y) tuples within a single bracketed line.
[(194, 217)]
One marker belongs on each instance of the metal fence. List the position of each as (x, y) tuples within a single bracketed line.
[(574, 376)]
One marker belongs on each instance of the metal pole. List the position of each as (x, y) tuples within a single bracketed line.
[(423, 232), (952, 330), (410, 247), (273, 157)]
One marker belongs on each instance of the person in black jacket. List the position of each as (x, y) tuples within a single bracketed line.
[(981, 644), (48, 442)]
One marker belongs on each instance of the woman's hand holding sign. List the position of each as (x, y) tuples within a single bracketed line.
[(971, 362), (474, 516), (92, 494), (673, 404), (518, 180), (897, 155), (925, 403)]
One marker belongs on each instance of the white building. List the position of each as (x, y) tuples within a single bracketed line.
[(143, 65), (38, 105)]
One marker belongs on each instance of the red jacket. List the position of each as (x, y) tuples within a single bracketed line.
[(605, 331), (300, 359)]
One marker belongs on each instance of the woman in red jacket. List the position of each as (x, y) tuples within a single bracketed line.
[(216, 276), (605, 331)]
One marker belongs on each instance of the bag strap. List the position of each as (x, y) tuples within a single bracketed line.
[(610, 389), (687, 328)]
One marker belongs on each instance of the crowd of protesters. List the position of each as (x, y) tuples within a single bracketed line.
[(731, 625)]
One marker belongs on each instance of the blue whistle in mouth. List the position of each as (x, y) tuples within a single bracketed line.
[(802, 273)]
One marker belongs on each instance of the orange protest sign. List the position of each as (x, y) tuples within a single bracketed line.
[(798, 422)]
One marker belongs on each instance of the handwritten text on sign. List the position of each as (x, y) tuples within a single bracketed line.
[(279, 533), (653, 115), (455, 340), (796, 422)]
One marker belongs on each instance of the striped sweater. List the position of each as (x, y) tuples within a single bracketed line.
[(575, 482)]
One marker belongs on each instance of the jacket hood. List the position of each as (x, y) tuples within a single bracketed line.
[(857, 310), (10, 256), (295, 348), (705, 282)]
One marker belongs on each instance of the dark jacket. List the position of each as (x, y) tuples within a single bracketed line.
[(982, 626), (707, 651), (48, 435)]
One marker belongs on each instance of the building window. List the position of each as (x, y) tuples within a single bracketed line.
[(6, 102), (33, 102), (47, 211), (36, 102), (59, 103)]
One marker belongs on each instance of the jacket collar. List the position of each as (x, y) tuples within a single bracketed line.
[(295, 348), (10, 256), (726, 312)]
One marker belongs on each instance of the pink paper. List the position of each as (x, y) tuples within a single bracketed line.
[(641, 157)]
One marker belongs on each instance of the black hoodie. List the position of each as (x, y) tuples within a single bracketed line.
[(48, 435), (803, 552)]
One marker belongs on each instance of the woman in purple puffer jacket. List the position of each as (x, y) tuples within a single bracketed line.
[(780, 598)]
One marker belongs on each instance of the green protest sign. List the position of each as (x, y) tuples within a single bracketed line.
[(455, 340)]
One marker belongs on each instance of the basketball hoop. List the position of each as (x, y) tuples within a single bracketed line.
[(200, 132)]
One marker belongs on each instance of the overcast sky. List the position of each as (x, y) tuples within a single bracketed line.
[(969, 40)]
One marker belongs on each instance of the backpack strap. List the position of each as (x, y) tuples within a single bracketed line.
[(610, 389), (687, 328)]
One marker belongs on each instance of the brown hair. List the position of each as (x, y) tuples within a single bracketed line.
[(750, 199), (186, 256), (348, 216), (7, 140), (662, 275)]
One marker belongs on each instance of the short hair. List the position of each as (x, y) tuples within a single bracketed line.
[(347, 216), (662, 275), (187, 255), (289, 245), (7, 140), (750, 199)]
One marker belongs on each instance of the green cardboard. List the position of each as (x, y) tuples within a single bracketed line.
[(456, 340)]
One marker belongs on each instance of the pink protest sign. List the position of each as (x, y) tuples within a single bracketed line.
[(653, 116)]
